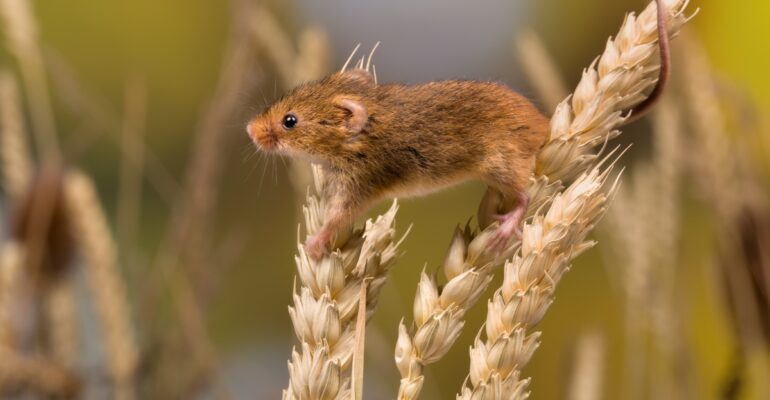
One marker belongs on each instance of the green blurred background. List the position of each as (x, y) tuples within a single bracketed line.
[(176, 48)]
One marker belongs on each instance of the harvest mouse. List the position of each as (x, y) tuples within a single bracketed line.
[(386, 140)]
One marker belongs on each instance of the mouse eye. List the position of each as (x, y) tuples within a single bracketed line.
[(289, 121)]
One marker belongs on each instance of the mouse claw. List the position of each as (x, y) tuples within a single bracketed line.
[(502, 237), (509, 226), (315, 249)]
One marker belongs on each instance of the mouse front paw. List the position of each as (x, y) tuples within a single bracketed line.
[(317, 246)]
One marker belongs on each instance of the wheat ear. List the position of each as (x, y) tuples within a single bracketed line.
[(325, 303), (97, 248), (617, 81)]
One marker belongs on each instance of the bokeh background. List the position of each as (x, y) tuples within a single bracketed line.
[(165, 67)]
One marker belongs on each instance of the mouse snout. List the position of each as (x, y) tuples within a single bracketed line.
[(262, 134)]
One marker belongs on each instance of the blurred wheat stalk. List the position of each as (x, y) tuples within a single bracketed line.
[(727, 172), (643, 226), (57, 211), (51, 206)]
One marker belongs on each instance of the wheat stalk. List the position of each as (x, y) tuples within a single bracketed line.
[(557, 234), (97, 248), (325, 303)]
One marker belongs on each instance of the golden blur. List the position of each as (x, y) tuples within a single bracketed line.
[(140, 110)]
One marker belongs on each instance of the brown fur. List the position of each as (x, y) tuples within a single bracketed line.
[(414, 139)]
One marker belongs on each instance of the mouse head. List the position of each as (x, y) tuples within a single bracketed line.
[(321, 120)]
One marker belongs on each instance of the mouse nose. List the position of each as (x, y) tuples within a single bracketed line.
[(251, 130), (261, 134)]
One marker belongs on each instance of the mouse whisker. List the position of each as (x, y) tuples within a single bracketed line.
[(275, 172), (283, 160), (254, 165), (264, 170), (246, 155)]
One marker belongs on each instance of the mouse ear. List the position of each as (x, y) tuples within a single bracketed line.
[(359, 115)]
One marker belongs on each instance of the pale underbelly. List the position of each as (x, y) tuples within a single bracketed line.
[(424, 186)]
